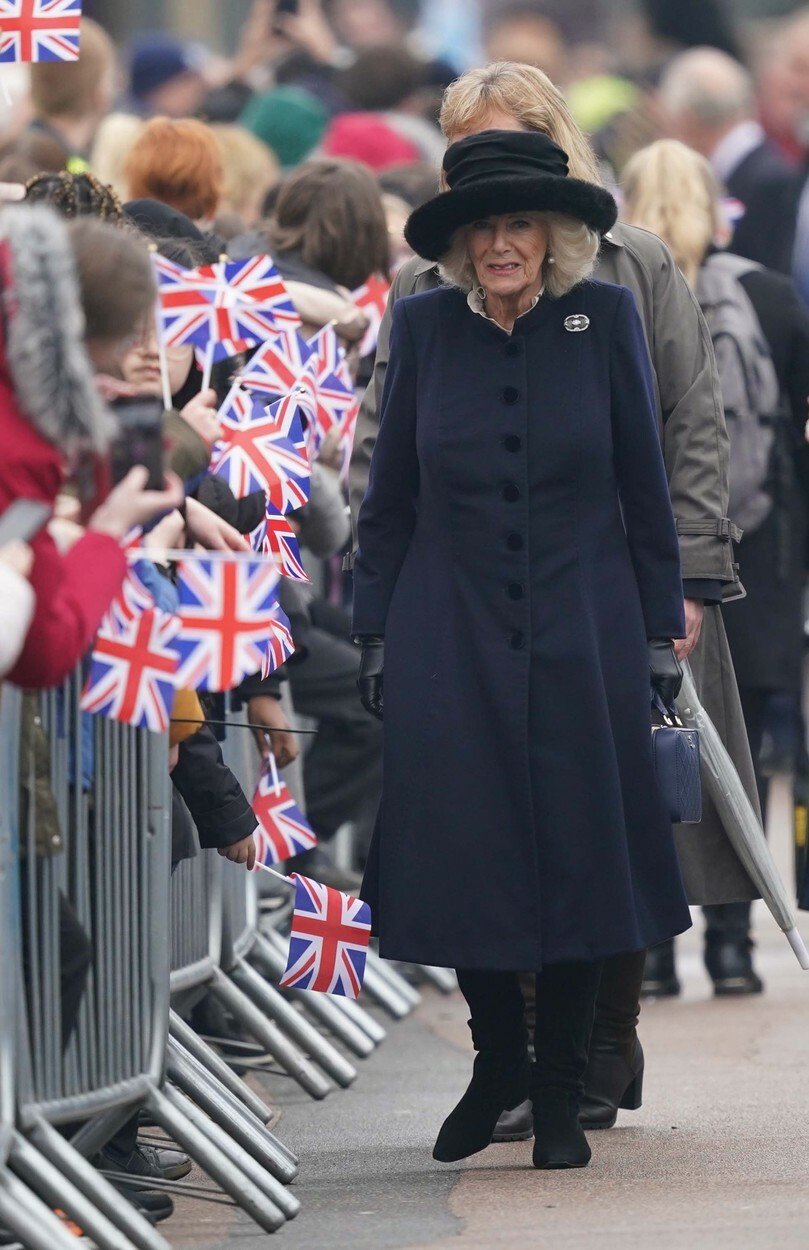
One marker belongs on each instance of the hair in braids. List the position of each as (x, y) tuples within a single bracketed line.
[(75, 195)]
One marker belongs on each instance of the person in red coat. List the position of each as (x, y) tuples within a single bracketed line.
[(50, 412)]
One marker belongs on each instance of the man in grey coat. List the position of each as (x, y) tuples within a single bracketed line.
[(696, 451)]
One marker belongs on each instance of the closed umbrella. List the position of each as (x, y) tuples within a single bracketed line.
[(738, 817)]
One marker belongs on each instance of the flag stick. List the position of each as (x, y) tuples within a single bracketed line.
[(206, 373), (174, 554), (279, 875), (6, 92), (165, 382)]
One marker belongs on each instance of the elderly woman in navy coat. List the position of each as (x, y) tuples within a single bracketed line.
[(517, 584)]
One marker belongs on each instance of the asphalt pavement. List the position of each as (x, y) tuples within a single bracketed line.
[(717, 1157)]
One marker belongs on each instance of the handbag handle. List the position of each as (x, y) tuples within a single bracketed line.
[(669, 714)]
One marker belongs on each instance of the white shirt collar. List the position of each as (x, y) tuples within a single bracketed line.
[(733, 147), (477, 305)]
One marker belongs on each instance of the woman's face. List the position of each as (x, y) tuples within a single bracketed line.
[(141, 364), (507, 253)]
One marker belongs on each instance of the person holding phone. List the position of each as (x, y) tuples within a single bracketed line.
[(51, 416)]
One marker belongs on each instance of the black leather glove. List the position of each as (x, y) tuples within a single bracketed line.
[(665, 672), (369, 681)]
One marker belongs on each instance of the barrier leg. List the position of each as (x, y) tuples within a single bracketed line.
[(209, 1059), (363, 1018), (284, 1199), (30, 1219), (95, 1187), (391, 975), (321, 1007), (444, 979), (293, 1023), (376, 985), (270, 1037), (184, 1070), (56, 1189), (168, 1109)]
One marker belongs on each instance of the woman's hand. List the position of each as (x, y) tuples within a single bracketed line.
[(694, 614), (208, 529), (17, 555), (271, 730), (369, 679), (202, 415), (243, 852), (168, 534), (665, 673), (64, 533), (330, 453), (129, 503)]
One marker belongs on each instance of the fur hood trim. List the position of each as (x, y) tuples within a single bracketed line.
[(45, 354)]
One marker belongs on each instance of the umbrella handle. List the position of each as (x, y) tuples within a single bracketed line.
[(801, 953)]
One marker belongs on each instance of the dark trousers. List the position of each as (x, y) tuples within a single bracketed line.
[(342, 771), (565, 997), (75, 953)]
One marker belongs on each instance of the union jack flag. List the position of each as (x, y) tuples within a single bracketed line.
[(281, 542), (280, 644), (283, 830), (329, 380), (263, 448), (227, 621), (39, 30), (133, 668), (278, 366), (372, 298), (328, 943), (237, 303)]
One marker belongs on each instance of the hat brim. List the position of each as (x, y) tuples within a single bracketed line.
[(430, 228)]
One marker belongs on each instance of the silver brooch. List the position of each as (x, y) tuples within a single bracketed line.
[(576, 322)]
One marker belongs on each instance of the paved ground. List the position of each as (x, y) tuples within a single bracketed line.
[(717, 1158)]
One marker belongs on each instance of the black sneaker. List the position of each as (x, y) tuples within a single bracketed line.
[(660, 976), (169, 1164), (153, 1205), (730, 967)]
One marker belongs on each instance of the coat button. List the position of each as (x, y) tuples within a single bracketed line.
[(515, 590), (513, 347), (516, 640), (514, 541), (510, 492), (510, 395), (512, 442)]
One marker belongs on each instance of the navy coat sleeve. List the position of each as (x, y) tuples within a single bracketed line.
[(641, 476), (388, 514)]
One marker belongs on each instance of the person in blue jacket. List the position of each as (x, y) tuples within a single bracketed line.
[(517, 586)]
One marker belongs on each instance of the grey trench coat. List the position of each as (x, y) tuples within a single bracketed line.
[(695, 448)]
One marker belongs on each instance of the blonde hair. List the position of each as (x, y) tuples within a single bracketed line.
[(672, 191), (114, 140), (526, 94), (571, 255), (250, 169)]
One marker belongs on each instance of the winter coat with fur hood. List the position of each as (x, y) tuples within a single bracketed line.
[(49, 411)]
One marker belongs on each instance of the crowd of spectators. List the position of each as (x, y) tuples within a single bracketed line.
[(314, 142)]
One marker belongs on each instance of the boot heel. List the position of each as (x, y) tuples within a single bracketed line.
[(633, 1096)]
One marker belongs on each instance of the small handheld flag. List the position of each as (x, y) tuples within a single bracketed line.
[(39, 30), (283, 829), (328, 943), (372, 298), (133, 667), (263, 448), (227, 621)]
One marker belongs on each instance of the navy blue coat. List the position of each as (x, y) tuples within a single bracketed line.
[(520, 822)]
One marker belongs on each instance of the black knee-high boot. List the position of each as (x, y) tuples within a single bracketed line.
[(501, 1069), (566, 996), (614, 1077)]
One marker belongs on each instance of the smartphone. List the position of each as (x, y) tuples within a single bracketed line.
[(23, 519), (139, 440)]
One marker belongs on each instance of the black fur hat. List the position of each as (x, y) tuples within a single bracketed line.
[(505, 171)]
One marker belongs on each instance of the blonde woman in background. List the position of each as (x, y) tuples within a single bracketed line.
[(115, 138), (761, 335), (250, 170)]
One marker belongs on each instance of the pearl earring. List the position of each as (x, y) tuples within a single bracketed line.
[(480, 291), (551, 260)]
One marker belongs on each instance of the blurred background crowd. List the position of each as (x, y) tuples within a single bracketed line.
[(310, 129)]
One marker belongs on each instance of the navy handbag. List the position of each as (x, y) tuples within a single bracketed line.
[(675, 750)]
